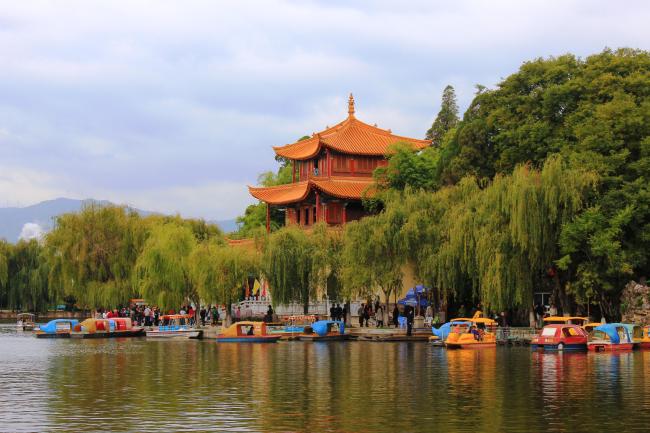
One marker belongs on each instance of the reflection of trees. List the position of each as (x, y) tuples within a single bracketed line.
[(354, 386), (477, 401)]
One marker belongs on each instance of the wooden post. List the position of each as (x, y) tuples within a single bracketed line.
[(293, 168), (317, 206), (268, 218), (345, 215), (352, 166), (328, 162)]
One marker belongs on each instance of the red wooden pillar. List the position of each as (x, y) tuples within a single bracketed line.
[(352, 166), (293, 168), (318, 217), (328, 162), (345, 215), (268, 218)]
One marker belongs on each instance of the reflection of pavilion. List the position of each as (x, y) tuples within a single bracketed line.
[(332, 170)]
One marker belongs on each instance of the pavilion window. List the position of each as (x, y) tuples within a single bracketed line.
[(316, 166)]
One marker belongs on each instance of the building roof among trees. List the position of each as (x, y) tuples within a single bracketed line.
[(350, 136), (346, 188)]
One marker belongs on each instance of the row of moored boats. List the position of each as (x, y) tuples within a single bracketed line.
[(177, 326), (558, 334)]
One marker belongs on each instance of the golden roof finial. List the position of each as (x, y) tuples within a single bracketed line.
[(351, 105)]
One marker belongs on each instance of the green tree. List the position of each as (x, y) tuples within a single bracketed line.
[(373, 255), (595, 112), (288, 267), (446, 119), (219, 272), (408, 168), (162, 270), (91, 255), (486, 242), (5, 248), (28, 277)]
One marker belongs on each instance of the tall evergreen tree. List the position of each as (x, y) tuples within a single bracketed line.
[(447, 117)]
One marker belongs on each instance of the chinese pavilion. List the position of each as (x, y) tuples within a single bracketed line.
[(332, 170)]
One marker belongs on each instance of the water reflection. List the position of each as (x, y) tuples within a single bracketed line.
[(139, 385)]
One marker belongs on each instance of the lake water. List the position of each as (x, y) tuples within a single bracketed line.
[(140, 385)]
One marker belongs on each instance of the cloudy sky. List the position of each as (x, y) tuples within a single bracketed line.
[(173, 106)]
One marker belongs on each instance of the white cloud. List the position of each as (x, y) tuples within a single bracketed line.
[(31, 231)]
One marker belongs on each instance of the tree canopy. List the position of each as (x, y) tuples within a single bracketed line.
[(446, 119)]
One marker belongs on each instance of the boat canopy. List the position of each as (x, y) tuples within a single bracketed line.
[(443, 331), (323, 327), (242, 328), (571, 320), (483, 320), (615, 331), (25, 315), (53, 325), (635, 331), (176, 316)]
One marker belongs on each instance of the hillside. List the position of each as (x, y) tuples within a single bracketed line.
[(29, 221)]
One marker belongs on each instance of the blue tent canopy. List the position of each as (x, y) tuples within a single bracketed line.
[(415, 294)]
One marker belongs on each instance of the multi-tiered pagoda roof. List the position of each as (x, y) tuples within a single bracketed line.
[(331, 169)]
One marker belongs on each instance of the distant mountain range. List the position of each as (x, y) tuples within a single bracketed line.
[(31, 221)]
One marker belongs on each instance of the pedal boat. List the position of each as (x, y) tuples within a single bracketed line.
[(116, 327), (610, 337), (325, 330), (175, 326), (644, 342), (561, 320), (480, 334), (247, 332), (25, 321), (292, 327), (440, 334), (636, 333), (57, 328), (560, 338)]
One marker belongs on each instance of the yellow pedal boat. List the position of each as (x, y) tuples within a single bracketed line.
[(475, 333)]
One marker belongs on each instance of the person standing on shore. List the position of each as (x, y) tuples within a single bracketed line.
[(409, 320), (147, 316), (361, 312), (367, 313), (215, 315), (379, 316), (396, 316)]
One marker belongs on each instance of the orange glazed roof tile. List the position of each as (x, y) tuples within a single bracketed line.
[(351, 136), (296, 192), (282, 194), (344, 188)]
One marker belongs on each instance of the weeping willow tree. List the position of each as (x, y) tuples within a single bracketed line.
[(498, 238), (219, 271), (28, 277), (326, 250), (91, 255), (162, 270), (288, 267), (4, 269), (374, 254)]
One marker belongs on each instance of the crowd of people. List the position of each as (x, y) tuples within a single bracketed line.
[(145, 315)]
